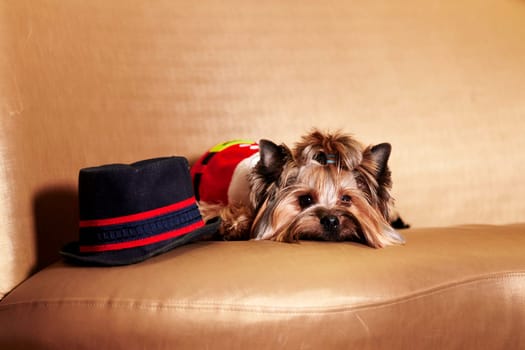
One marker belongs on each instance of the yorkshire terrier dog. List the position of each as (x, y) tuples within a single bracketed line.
[(328, 187)]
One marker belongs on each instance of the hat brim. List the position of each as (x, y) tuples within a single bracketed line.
[(71, 251)]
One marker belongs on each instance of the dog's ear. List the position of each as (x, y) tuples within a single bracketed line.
[(375, 165), (273, 157), (380, 154)]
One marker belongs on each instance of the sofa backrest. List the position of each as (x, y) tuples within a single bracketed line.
[(96, 82)]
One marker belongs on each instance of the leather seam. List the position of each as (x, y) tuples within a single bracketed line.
[(264, 309)]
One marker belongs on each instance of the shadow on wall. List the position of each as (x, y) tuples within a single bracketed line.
[(56, 222)]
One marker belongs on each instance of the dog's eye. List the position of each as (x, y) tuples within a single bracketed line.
[(305, 201), (320, 158), (346, 199)]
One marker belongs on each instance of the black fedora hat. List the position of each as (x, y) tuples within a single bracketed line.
[(129, 213)]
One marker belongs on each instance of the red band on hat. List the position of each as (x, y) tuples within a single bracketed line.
[(139, 216), (141, 242)]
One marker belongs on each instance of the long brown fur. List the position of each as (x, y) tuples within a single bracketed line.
[(316, 146)]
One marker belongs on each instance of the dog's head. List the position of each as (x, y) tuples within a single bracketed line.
[(332, 190), (342, 151)]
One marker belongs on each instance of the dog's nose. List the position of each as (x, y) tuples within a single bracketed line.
[(330, 223)]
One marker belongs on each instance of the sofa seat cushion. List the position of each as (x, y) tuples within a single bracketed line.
[(446, 288)]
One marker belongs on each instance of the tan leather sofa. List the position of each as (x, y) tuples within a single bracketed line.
[(98, 82)]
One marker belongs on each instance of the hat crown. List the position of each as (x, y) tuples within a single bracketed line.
[(129, 213), (116, 190)]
